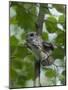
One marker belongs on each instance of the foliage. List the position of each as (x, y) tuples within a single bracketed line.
[(21, 58), (50, 73)]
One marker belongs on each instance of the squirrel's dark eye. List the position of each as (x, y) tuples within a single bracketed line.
[(31, 34)]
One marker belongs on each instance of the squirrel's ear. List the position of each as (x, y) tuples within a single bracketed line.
[(47, 45)]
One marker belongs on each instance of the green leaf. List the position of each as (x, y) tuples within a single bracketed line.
[(12, 73), (63, 79), (21, 81), (27, 5), (58, 53), (23, 36), (60, 40), (22, 70), (12, 50), (51, 24), (17, 63), (61, 19), (21, 52), (29, 63), (25, 18), (45, 36), (50, 73), (59, 7), (13, 20), (29, 59), (13, 41)]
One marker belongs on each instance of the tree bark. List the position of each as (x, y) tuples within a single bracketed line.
[(39, 23), (39, 27)]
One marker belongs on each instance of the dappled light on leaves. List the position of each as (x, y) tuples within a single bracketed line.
[(23, 19)]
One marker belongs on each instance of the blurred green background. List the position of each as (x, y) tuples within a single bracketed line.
[(22, 19)]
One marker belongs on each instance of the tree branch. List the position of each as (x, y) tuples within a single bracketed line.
[(39, 27), (39, 23)]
